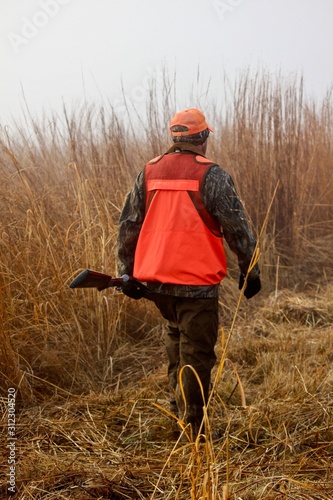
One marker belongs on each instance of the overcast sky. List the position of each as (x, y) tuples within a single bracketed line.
[(65, 49)]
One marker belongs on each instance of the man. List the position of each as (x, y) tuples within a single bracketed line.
[(171, 233)]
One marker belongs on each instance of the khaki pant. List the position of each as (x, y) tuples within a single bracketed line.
[(191, 336)]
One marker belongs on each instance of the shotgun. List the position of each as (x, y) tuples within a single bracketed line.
[(127, 284)]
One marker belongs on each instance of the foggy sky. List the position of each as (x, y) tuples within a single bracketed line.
[(75, 50)]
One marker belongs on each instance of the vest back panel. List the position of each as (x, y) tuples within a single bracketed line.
[(176, 244)]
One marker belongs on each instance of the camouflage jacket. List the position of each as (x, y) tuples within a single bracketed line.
[(220, 199)]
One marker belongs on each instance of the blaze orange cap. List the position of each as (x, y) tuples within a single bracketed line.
[(193, 119)]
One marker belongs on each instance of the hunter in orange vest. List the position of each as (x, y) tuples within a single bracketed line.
[(171, 231)]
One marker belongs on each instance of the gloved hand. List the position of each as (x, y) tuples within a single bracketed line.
[(133, 290), (252, 286)]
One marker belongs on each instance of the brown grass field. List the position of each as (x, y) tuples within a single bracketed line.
[(89, 369)]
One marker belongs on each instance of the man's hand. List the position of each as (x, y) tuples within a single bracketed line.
[(133, 290), (252, 286)]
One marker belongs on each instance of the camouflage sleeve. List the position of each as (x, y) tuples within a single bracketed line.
[(130, 223), (222, 201)]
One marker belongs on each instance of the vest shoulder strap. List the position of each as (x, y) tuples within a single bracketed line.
[(155, 160), (203, 160)]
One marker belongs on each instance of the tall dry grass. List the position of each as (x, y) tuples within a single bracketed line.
[(89, 366), (274, 135)]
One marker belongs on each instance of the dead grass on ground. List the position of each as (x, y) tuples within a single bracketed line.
[(120, 443)]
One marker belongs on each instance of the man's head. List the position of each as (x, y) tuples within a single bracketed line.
[(190, 126)]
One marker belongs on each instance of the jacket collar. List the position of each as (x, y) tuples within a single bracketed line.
[(185, 147)]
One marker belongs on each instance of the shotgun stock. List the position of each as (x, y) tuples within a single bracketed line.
[(129, 286)]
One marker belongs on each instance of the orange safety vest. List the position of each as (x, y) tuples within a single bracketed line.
[(180, 242)]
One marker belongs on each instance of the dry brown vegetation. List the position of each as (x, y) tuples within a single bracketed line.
[(89, 368)]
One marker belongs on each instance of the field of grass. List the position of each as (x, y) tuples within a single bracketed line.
[(89, 368)]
